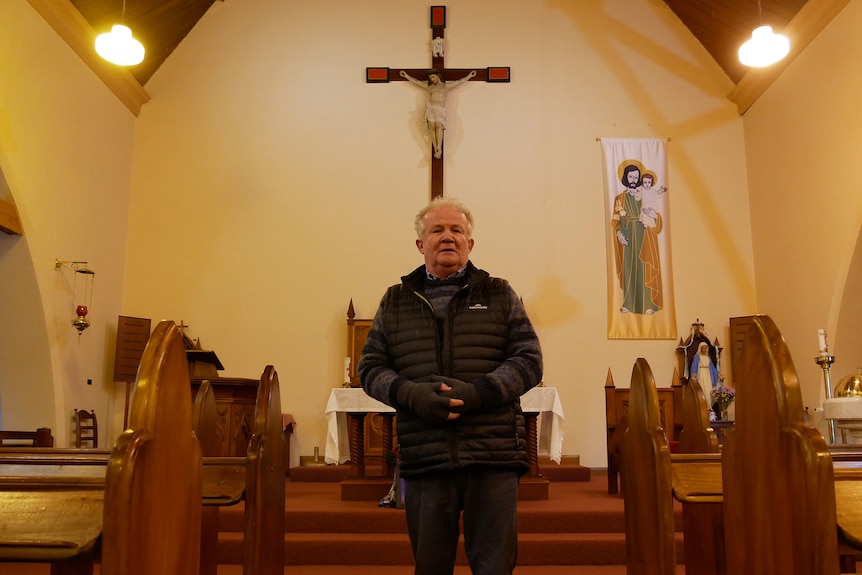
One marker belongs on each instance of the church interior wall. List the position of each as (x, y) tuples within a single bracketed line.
[(802, 142), (265, 185), (65, 153), (290, 184)]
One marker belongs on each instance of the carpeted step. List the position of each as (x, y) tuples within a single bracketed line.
[(564, 472), (579, 525), (319, 473), (394, 549), (569, 469)]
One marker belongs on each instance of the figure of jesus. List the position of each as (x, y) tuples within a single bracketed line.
[(435, 109)]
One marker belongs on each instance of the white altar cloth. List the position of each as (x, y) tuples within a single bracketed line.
[(343, 400)]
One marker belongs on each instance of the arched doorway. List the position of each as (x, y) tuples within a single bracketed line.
[(26, 380)]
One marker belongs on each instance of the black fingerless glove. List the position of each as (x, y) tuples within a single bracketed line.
[(462, 390), (424, 399)]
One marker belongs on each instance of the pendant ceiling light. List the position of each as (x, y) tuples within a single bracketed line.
[(118, 46), (764, 48)]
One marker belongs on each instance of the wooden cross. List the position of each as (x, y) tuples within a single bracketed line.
[(385, 75)]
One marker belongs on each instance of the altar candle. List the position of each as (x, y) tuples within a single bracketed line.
[(347, 369), (821, 336)]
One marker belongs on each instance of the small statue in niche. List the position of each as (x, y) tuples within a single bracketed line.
[(704, 371), (437, 47), (700, 362)]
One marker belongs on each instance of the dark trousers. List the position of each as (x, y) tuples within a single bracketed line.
[(488, 499)]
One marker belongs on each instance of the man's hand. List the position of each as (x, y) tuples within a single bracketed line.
[(464, 396), (622, 239), (427, 400)]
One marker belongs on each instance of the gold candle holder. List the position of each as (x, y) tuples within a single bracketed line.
[(825, 361)]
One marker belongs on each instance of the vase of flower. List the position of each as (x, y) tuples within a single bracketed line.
[(722, 397)]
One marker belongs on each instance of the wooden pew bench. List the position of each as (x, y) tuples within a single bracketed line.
[(670, 400), (70, 507), (77, 508), (79, 475), (40, 438), (223, 478), (781, 487), (695, 479)]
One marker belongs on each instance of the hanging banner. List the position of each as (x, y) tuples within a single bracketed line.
[(640, 290)]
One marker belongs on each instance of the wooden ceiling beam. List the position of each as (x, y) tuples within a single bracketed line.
[(9, 222), (80, 36), (811, 19)]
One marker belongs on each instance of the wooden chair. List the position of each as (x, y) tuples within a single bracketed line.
[(646, 481), (777, 474), (86, 429)]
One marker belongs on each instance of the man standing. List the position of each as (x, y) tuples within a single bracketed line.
[(452, 350)]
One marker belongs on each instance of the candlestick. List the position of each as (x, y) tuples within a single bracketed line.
[(825, 361), (821, 336)]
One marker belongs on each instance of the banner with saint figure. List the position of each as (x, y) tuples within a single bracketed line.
[(640, 290)]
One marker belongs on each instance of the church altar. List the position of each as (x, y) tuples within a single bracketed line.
[(544, 401)]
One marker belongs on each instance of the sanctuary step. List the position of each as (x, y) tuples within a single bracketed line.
[(579, 525), (569, 469)]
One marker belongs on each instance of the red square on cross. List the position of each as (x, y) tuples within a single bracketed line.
[(438, 16), (373, 75), (499, 74)]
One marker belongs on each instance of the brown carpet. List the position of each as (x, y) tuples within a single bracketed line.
[(580, 525)]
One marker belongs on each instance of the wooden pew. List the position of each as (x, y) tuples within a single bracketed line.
[(777, 473), (616, 421), (224, 478), (138, 511), (646, 484), (702, 511), (153, 482), (40, 438), (205, 427), (649, 504), (261, 484), (265, 477), (784, 490)]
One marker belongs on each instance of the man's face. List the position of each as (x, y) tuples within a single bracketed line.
[(433, 78), (632, 179), (446, 242)]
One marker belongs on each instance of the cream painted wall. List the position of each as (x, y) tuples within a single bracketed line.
[(802, 143), (65, 152), (271, 184)]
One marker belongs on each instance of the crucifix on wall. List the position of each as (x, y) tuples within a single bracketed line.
[(439, 80)]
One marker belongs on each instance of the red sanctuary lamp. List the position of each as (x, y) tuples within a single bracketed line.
[(83, 292), (81, 322)]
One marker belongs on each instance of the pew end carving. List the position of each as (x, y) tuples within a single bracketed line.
[(157, 458), (649, 513), (777, 473), (264, 495)]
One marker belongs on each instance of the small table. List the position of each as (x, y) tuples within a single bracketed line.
[(348, 406)]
